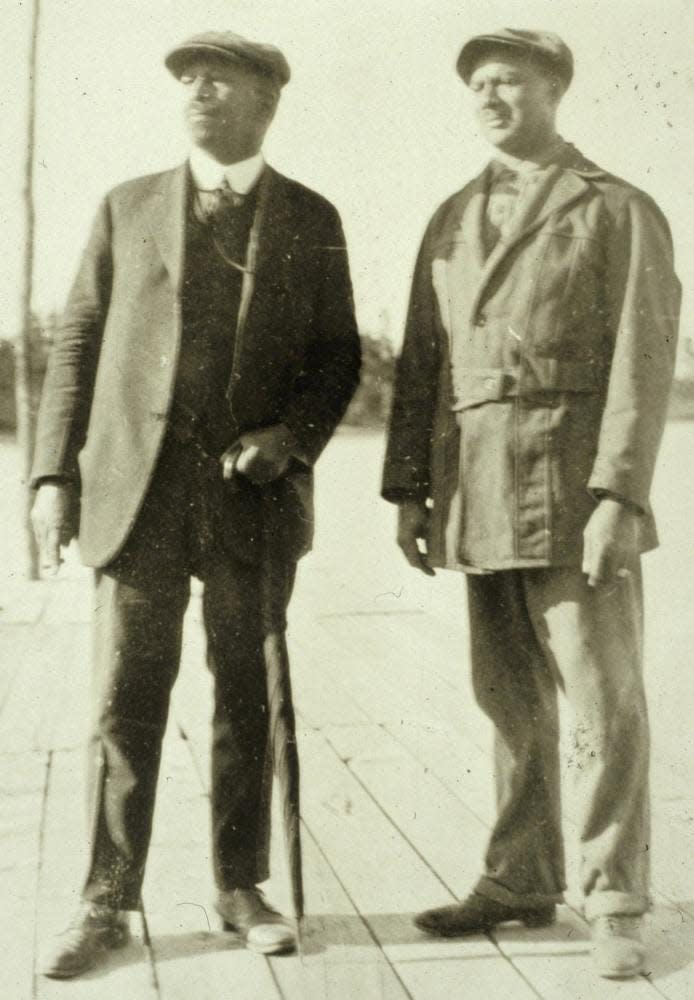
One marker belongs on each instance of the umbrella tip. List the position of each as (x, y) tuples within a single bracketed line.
[(300, 936)]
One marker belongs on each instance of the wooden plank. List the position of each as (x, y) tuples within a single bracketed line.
[(669, 937), (193, 957), (478, 978), (64, 675), (673, 848), (23, 601), (382, 690), (322, 697), (126, 972), (378, 868), (70, 598), (458, 763), (562, 977), (671, 773), (44, 704), (385, 877), (557, 963), (22, 695), (340, 958), (436, 822), (22, 781)]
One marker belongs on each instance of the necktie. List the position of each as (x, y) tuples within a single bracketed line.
[(217, 204)]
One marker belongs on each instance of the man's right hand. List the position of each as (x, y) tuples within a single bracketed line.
[(53, 519), (413, 519)]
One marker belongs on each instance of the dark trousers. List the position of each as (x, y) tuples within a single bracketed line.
[(535, 632), (141, 598)]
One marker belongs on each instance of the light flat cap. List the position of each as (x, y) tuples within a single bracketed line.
[(263, 59), (543, 47)]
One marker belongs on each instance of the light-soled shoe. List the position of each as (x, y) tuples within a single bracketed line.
[(617, 949), (93, 931), (264, 930)]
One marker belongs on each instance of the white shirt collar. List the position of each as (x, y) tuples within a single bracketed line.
[(209, 174)]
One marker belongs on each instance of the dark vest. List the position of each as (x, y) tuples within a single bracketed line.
[(210, 297)]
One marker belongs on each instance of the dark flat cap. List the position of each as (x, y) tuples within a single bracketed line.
[(542, 47), (264, 59)]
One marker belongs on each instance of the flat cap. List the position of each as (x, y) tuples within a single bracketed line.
[(543, 47), (264, 59)]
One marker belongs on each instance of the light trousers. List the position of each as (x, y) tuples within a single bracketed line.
[(535, 632)]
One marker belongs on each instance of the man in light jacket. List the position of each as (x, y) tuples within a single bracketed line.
[(529, 406), (206, 354)]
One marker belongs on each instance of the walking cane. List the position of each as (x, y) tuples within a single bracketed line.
[(275, 586)]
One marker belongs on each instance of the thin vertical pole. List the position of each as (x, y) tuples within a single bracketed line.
[(23, 389)]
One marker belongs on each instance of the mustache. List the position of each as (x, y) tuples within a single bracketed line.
[(200, 108)]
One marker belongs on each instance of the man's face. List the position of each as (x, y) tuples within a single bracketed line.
[(515, 103), (228, 107)]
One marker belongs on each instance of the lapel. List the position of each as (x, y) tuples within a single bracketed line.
[(558, 189), (471, 228), (166, 214), (264, 256), (165, 210), (459, 251), (256, 245), (271, 226)]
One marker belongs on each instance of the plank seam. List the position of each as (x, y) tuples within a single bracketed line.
[(501, 954), (352, 902), (39, 868)]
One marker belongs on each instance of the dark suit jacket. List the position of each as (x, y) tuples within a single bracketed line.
[(108, 390)]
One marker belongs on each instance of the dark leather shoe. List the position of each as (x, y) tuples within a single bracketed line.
[(479, 913), (247, 912), (93, 931)]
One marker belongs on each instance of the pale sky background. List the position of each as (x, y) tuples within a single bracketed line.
[(375, 117)]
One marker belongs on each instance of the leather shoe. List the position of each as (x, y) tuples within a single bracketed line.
[(93, 931), (247, 912), (477, 914), (617, 948)]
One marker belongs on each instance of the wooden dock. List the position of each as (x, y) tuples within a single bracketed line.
[(396, 782)]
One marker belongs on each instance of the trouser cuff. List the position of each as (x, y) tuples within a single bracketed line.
[(500, 894), (612, 903), (232, 877)]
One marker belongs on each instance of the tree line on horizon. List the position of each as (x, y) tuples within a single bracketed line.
[(369, 407)]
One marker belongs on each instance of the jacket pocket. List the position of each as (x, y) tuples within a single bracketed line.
[(566, 313)]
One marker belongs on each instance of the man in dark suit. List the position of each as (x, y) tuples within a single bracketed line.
[(207, 352)]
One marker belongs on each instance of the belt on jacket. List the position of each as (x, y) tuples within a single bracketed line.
[(482, 385)]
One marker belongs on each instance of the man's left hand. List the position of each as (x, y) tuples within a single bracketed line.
[(264, 454), (610, 541)]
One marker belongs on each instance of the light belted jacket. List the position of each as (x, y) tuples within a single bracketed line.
[(533, 378)]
